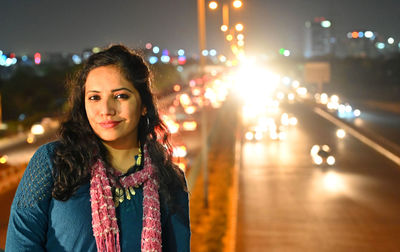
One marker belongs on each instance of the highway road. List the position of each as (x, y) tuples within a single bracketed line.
[(287, 203)]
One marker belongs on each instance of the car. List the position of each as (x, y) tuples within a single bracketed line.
[(322, 155)]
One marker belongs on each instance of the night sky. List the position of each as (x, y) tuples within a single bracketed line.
[(27, 26)]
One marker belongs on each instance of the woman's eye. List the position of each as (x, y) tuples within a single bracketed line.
[(94, 98), (121, 96)]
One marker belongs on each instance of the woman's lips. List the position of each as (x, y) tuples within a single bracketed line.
[(109, 124)]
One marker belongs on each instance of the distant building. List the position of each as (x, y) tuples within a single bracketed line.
[(361, 43), (318, 38)]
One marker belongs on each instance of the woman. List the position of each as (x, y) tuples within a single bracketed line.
[(109, 183)]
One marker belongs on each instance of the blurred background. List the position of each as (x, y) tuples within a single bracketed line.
[(284, 115)]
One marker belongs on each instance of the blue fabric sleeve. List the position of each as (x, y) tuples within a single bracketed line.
[(28, 221), (180, 223), (176, 228)]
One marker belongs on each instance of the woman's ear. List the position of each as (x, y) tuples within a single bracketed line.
[(144, 111)]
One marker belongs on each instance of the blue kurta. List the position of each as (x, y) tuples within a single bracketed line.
[(38, 222)]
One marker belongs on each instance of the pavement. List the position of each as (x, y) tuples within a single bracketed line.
[(285, 203)]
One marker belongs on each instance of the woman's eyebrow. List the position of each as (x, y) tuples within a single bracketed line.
[(119, 89), (113, 90), (93, 91)]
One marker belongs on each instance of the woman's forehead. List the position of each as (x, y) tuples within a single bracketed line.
[(107, 78)]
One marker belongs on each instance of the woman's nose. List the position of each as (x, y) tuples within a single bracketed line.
[(108, 107)]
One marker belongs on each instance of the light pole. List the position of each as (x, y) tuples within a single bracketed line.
[(201, 22), (201, 19)]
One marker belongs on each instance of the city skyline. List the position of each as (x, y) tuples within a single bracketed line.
[(48, 26)]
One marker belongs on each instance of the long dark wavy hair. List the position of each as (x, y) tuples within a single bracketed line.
[(80, 147)]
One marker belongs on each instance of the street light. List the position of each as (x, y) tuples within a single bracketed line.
[(224, 28), (239, 27), (213, 5), (237, 4)]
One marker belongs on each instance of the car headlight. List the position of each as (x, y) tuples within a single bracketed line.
[(330, 160)]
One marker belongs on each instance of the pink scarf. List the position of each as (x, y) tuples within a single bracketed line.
[(104, 221)]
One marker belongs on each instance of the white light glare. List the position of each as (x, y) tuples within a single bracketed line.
[(380, 45), (314, 150), (179, 151), (282, 135), (286, 80), (181, 52), (37, 129), (368, 34), (249, 136), (325, 148), (286, 53), (335, 98), (324, 98), (330, 160), (390, 40), (222, 58), (293, 121), (326, 23), (258, 136), (340, 133), (254, 84), (156, 49), (213, 52), (332, 182), (302, 91), (153, 60), (280, 95), (318, 160), (357, 112), (165, 58)]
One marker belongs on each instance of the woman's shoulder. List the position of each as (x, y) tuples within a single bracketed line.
[(46, 150), (35, 184), (43, 155)]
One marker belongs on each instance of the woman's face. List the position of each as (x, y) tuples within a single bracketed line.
[(113, 107)]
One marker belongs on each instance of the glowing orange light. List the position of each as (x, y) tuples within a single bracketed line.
[(190, 110), (182, 166), (177, 87), (185, 100), (3, 159), (354, 34), (189, 125), (30, 139)]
